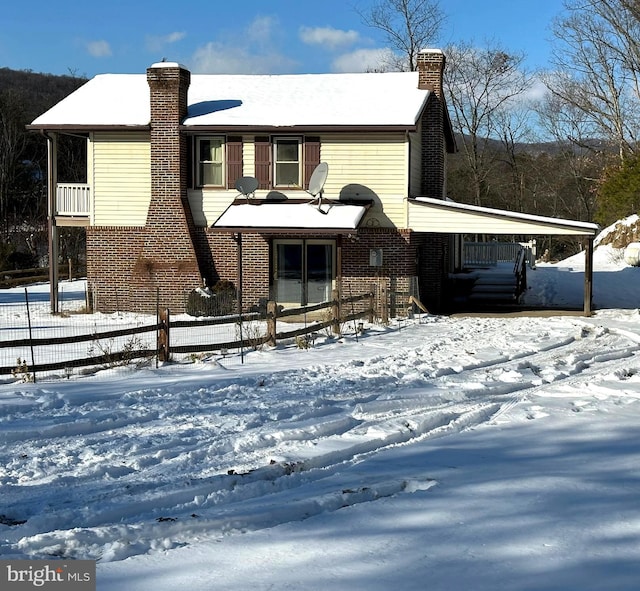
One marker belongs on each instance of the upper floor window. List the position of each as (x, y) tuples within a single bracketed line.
[(210, 165), (287, 161)]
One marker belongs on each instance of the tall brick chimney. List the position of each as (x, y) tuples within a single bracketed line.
[(168, 262), (430, 73)]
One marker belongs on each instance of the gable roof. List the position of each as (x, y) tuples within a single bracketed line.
[(388, 100)]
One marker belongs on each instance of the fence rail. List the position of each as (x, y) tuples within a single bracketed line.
[(122, 346), (18, 277)]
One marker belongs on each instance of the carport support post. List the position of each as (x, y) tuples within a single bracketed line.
[(52, 181), (588, 275)]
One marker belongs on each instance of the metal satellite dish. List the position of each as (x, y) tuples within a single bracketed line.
[(317, 181), (247, 185)]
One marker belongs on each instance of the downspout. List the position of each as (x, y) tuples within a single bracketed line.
[(52, 230)]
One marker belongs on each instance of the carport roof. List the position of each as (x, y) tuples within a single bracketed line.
[(442, 216)]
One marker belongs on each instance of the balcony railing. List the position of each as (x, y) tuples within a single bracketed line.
[(489, 254), (73, 199)]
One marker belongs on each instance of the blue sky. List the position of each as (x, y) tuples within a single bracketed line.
[(245, 36)]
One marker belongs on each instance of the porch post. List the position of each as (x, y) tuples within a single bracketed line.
[(52, 182), (588, 276)]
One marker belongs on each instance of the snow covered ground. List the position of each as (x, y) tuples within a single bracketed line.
[(447, 453)]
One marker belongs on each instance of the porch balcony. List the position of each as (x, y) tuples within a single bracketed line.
[(73, 200)]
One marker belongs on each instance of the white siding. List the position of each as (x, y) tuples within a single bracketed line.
[(120, 166), (369, 166), (208, 204), (428, 218), (366, 166), (248, 155)]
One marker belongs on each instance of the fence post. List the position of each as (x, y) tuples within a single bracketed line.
[(371, 304), (335, 311), (164, 344), (272, 314), (384, 302)]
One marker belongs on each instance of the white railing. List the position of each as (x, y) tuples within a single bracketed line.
[(73, 199), (489, 254), (480, 254)]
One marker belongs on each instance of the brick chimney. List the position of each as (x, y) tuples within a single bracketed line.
[(168, 262), (430, 73)]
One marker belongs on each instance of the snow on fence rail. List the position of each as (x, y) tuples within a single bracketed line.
[(53, 345)]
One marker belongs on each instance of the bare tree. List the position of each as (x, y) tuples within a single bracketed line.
[(12, 144), (408, 26), (484, 87), (597, 76)]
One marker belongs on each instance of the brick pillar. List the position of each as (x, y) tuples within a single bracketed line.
[(430, 72), (168, 260)]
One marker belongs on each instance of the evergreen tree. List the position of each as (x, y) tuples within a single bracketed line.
[(618, 195)]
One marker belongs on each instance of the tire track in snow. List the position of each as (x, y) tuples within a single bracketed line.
[(335, 425)]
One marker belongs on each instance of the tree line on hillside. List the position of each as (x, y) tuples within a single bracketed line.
[(23, 168), (561, 143)]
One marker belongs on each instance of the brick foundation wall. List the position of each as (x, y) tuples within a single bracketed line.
[(390, 282), (406, 254), (433, 270), (255, 263), (111, 255)]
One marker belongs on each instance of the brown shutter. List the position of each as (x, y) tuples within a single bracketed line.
[(311, 157), (263, 162), (234, 161)]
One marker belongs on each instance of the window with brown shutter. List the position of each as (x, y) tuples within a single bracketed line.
[(266, 161)]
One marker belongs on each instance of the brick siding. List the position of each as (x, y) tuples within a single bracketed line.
[(168, 261)]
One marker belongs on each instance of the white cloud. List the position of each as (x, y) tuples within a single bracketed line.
[(217, 58), (328, 37), (158, 42), (261, 28), (363, 60), (99, 48), (251, 51), (538, 90)]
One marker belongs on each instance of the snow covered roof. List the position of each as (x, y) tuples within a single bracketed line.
[(260, 214), (368, 99), (440, 215)]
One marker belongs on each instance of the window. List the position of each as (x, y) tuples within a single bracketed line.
[(210, 164), (287, 161)]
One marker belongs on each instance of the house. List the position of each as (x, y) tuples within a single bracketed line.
[(168, 155)]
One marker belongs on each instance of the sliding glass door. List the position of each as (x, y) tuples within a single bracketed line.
[(303, 271)]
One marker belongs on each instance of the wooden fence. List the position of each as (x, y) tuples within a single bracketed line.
[(164, 327), (34, 275)]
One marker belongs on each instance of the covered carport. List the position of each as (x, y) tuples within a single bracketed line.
[(447, 217)]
